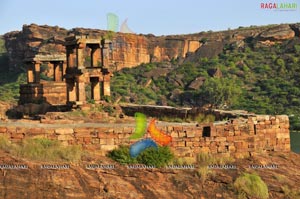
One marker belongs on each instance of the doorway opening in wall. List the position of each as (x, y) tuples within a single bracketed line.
[(93, 90), (46, 72), (206, 131)]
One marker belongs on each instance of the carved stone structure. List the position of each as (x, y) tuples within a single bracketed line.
[(85, 65), (37, 90), (67, 79)]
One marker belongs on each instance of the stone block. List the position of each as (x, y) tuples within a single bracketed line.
[(262, 117), (169, 128), (177, 128), (102, 135), (103, 141), (35, 131), (282, 135), (276, 121), (11, 129), (236, 133), (108, 147), (220, 139), (231, 149), (268, 122), (181, 134), (3, 129), (17, 135), (110, 141), (190, 134), (87, 140), (65, 137), (128, 130), (179, 143), (174, 134), (64, 131), (188, 143)]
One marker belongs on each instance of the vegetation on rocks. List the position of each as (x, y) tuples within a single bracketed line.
[(42, 149), (151, 156), (251, 185), (257, 78)]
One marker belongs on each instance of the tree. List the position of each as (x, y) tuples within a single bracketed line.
[(220, 92)]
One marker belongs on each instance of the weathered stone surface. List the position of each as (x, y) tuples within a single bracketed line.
[(130, 49), (63, 131), (280, 32), (197, 83)]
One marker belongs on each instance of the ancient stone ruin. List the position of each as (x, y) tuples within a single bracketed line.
[(68, 76)]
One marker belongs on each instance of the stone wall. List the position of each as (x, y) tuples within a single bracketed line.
[(237, 137), (53, 93)]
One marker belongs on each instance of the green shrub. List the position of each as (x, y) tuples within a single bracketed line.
[(151, 156), (251, 185), (122, 155), (156, 157)]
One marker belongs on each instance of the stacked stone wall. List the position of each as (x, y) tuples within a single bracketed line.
[(237, 137)]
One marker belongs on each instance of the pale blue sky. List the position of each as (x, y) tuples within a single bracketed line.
[(160, 17)]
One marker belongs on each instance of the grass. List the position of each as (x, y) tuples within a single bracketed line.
[(290, 193), (42, 149), (203, 173), (4, 143), (183, 161), (206, 159), (251, 186), (201, 118)]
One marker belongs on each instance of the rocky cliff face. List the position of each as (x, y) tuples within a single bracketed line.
[(129, 50), (121, 182)]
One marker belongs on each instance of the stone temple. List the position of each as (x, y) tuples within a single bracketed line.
[(71, 79)]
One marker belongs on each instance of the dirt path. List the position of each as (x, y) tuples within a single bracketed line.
[(37, 124)]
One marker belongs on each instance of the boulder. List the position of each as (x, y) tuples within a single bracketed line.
[(278, 33)]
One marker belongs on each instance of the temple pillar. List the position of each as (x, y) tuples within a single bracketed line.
[(71, 90), (80, 89), (37, 71), (106, 85), (70, 58), (80, 55), (64, 66), (58, 71), (30, 73)]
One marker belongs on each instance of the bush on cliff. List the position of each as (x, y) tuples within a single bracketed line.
[(150, 157), (251, 186)]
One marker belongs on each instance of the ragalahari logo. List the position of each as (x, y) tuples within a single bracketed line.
[(113, 24), (157, 136), (276, 6)]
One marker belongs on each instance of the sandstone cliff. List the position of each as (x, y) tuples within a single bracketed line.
[(129, 50), (79, 182)]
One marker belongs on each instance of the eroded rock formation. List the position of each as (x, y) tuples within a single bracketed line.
[(129, 50)]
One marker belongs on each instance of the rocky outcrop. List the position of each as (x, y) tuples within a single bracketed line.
[(124, 183), (281, 32), (129, 50), (34, 40), (215, 72), (197, 83)]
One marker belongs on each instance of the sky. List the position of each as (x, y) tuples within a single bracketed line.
[(159, 17)]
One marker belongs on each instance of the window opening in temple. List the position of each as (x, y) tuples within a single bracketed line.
[(206, 131)]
